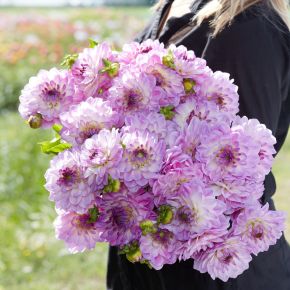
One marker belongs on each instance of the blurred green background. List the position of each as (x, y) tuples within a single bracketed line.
[(30, 256)]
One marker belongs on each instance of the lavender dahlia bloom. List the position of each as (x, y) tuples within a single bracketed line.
[(191, 137), (259, 227), (142, 158), (121, 214), (200, 109), (86, 70), (77, 231), (195, 210), (48, 94), (86, 119), (169, 85), (68, 187), (205, 240), (133, 92), (238, 193), (155, 123), (101, 155), (225, 260), (228, 155), (220, 90), (263, 138), (189, 66), (131, 50), (159, 248)]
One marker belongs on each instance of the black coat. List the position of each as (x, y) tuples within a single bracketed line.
[(255, 50)]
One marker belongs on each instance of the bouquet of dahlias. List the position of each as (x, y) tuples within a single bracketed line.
[(151, 156)]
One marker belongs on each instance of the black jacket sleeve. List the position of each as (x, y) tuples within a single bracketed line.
[(256, 57)]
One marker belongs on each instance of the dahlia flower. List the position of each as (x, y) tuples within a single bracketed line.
[(158, 248), (101, 155), (87, 70), (78, 231), (142, 158), (67, 185), (47, 95), (86, 119), (259, 227), (225, 260), (121, 214)]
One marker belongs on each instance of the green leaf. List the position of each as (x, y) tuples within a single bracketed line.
[(69, 60), (54, 146), (111, 68), (93, 43)]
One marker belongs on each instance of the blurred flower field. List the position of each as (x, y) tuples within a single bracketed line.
[(30, 257)]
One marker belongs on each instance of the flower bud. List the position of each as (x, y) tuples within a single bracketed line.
[(188, 85), (165, 214), (134, 255), (35, 121), (147, 227)]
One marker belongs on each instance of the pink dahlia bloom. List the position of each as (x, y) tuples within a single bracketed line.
[(142, 158), (176, 161), (131, 50), (169, 186), (189, 249), (263, 139), (192, 136), (86, 119), (68, 187), (259, 227), (155, 123), (77, 231), (225, 260), (227, 154), (86, 70), (238, 193), (199, 109), (220, 90), (195, 210), (169, 84), (48, 94), (101, 154), (189, 66), (121, 214), (159, 248), (134, 92)]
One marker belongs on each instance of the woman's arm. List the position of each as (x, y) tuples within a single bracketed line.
[(256, 55)]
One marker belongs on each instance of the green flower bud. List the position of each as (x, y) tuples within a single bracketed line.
[(112, 186), (147, 227), (188, 85), (168, 112), (165, 214), (94, 214), (168, 60), (35, 121), (134, 255)]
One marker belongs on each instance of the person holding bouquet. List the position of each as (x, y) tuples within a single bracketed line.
[(250, 40)]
